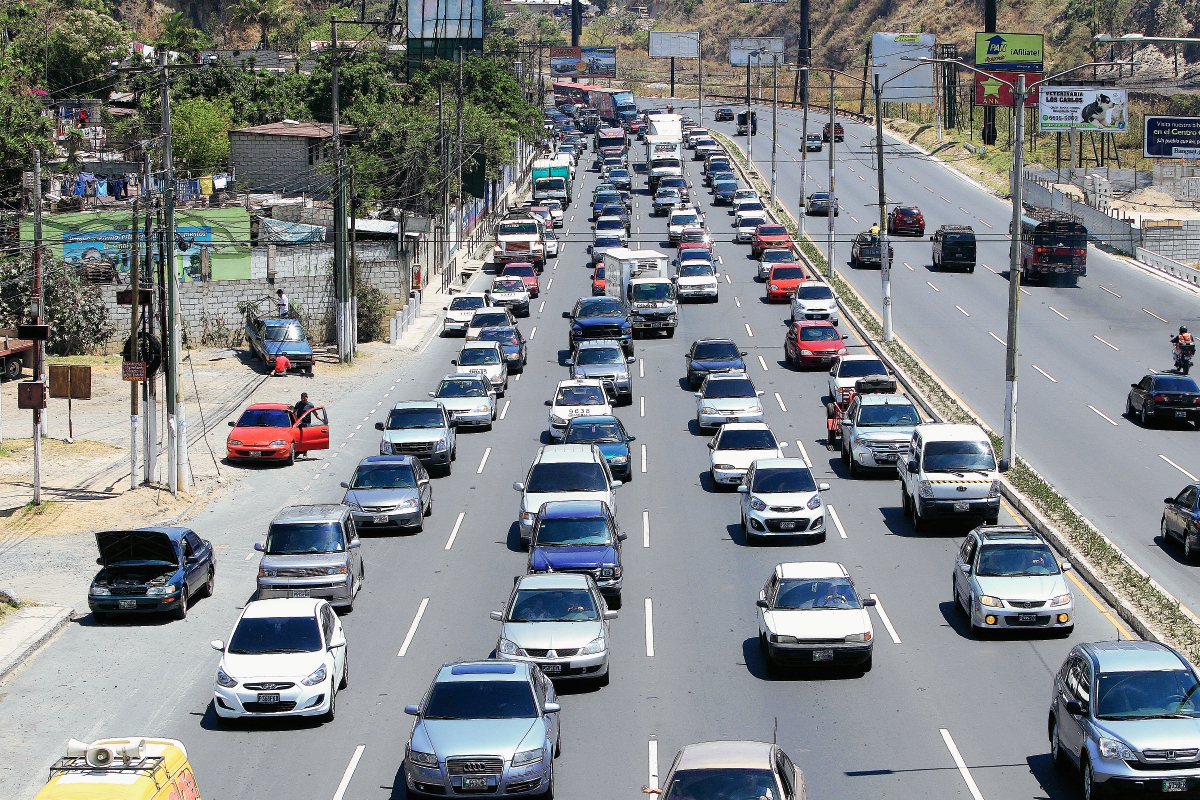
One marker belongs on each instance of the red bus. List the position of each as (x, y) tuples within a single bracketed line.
[(571, 93), (1052, 244)]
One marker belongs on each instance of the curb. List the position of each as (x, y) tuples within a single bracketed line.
[(54, 619)]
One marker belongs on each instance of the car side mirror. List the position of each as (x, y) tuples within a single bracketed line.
[(622, 537), (567, 314), (868, 601), (965, 569), (552, 708), (570, 362), (258, 546), (698, 394), (454, 361), (630, 359), (431, 394), (1066, 565), (412, 710), (912, 465), (339, 640), (218, 645), (518, 487), (445, 308), (1075, 708), (1133, 386), (232, 424), (353, 544), (741, 352), (1169, 501), (760, 393), (615, 484), (100, 560), (822, 487), (548, 403), (763, 604), (712, 445), (743, 489), (496, 615)]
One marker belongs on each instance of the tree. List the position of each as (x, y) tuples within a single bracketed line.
[(493, 13), (601, 30), (179, 34), (81, 45), (22, 126), (78, 319), (200, 132), (266, 14)]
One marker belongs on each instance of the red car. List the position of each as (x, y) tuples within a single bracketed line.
[(271, 432), (782, 281), (906, 220), (812, 343), (695, 238), (526, 272), (768, 236), (598, 280)]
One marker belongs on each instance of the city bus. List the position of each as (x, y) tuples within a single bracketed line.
[(571, 93), (616, 106), (1052, 244)]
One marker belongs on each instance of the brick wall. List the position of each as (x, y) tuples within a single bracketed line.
[(274, 164)]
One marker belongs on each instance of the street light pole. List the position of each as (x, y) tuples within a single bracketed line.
[(831, 213), (774, 117), (885, 263), (1014, 281), (749, 114)]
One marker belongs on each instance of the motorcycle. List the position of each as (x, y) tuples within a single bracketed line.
[(1185, 353)]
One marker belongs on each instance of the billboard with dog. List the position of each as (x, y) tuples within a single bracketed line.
[(1083, 108)]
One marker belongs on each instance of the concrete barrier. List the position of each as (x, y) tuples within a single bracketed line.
[(1170, 266)]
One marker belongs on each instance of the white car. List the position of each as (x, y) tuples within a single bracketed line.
[(565, 472), (611, 226), (556, 211), (809, 614), (742, 195), (285, 657), (462, 307), (848, 369), (746, 225), (726, 397), (578, 397), (490, 317), (695, 280), (486, 360), (469, 399), (772, 256), (695, 135), (738, 445), (814, 300), (510, 293), (681, 217), (550, 241), (752, 200), (780, 498)]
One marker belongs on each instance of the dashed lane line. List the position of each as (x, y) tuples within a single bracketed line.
[(887, 622), (1061, 314), (504, 410), (779, 399), (454, 532), (1047, 374), (349, 773), (804, 453), (1102, 341), (483, 461), (1156, 316), (962, 765), (412, 629), (763, 362), (644, 461), (749, 332), (649, 628), (963, 310), (1176, 466), (837, 522), (997, 338), (1107, 418), (645, 529), (931, 286), (1110, 291)]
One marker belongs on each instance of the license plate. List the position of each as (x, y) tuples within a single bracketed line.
[(127, 604), (380, 519), (299, 593), (474, 783), (731, 419), (551, 669), (1026, 617), (255, 454), (826, 360), (1060, 269), (822, 655), (1175, 785), (891, 458), (962, 506), (1181, 414), (787, 525), (268, 698)]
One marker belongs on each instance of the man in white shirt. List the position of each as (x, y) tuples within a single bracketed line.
[(284, 305)]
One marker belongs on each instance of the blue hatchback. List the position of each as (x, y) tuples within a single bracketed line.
[(609, 435), (579, 536), (712, 355)]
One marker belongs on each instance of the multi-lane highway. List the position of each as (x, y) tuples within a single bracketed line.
[(1080, 347), (940, 715)]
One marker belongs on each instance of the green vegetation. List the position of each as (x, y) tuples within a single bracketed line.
[(78, 318)]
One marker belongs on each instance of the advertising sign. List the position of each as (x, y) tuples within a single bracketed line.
[(1083, 108), (992, 92), (445, 19), (740, 49), (592, 62), (1172, 137), (1019, 52), (668, 44), (892, 54)]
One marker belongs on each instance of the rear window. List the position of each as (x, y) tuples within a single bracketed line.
[(772, 230), (743, 439), (861, 369), (716, 350), (819, 333), (787, 273), (568, 477), (729, 388), (814, 293), (481, 700), (1175, 384)]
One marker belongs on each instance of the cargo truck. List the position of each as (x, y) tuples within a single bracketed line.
[(664, 148), (552, 179), (642, 280)]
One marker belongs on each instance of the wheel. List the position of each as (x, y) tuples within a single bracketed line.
[(1057, 756), (207, 589), (601, 681), (429, 506), (1187, 365), (830, 411), (332, 712), (904, 501), (291, 459), (1189, 553), (1089, 781), (181, 610), (1144, 419), (454, 452), (831, 437), (855, 472), (919, 525), (958, 606), (846, 454), (12, 369), (1128, 408), (615, 602), (487, 427), (671, 335), (345, 681), (853, 261)]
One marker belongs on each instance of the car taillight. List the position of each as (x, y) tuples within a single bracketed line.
[(1080, 252), (1039, 250), (1160, 398)]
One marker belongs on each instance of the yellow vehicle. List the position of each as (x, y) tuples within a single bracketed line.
[(135, 768)]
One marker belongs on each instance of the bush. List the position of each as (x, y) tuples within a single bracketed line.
[(372, 314), (78, 319)]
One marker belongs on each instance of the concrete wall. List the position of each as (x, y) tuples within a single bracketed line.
[(275, 163), (311, 259), (1185, 272), (1113, 231), (1179, 241)]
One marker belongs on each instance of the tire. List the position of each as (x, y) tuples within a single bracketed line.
[(1189, 555), (905, 504), (12, 369), (602, 681), (1057, 756), (100, 617), (454, 451), (420, 525), (332, 712), (1128, 408), (855, 472), (345, 681), (1089, 783), (207, 589), (291, 459), (671, 335), (429, 507), (846, 455), (1143, 418), (1187, 365), (831, 437), (181, 611), (958, 606), (615, 602)]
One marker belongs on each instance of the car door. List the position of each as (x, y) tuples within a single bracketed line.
[(1140, 392), (1076, 686), (198, 557), (1179, 513), (424, 485), (331, 628), (353, 548), (767, 594), (312, 430), (785, 775), (962, 580), (848, 422)]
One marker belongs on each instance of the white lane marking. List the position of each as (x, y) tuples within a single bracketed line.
[(1101, 413), (779, 400), (643, 458), (542, 307), (1047, 374), (349, 435), (738, 302), (748, 331), (1026, 291), (572, 219), (1176, 466), (454, 533), (929, 189), (652, 764), (913, 179), (804, 452), (392, 387), (985, 266), (887, 623), (947, 199), (960, 308), (349, 773), (504, 410), (412, 629), (250, 555), (905, 263), (642, 404), (385, 394), (763, 361), (1110, 344), (645, 529), (997, 338), (1110, 291), (962, 765), (960, 208), (483, 461), (985, 222), (852, 217), (837, 522), (548, 285), (641, 367), (326, 465), (366, 417), (728, 279), (931, 286), (554, 268), (649, 628), (356, 427), (532, 333), (1156, 316), (861, 178), (519, 374), (1061, 314)]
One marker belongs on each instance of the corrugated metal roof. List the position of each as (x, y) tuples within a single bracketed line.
[(309, 130)]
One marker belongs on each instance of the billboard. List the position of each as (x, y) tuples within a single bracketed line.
[(892, 54), (1083, 108), (1017, 52), (668, 44), (445, 19), (992, 92), (1172, 137), (592, 62), (740, 49)]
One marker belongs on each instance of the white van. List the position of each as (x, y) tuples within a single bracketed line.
[(949, 473)]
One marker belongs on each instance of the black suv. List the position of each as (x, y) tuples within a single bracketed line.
[(954, 247), (724, 115)]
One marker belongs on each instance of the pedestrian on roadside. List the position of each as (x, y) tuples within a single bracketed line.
[(284, 304)]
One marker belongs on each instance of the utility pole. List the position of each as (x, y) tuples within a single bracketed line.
[(135, 282), (39, 350), (774, 117), (458, 153), (672, 76), (1014, 282), (885, 263), (177, 448), (749, 115), (151, 387), (341, 275), (831, 214), (700, 75), (988, 134), (804, 144), (576, 22)]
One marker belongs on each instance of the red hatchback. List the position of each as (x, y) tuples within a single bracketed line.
[(271, 432), (693, 238), (906, 220), (525, 271), (598, 280), (768, 236), (812, 343), (782, 281)]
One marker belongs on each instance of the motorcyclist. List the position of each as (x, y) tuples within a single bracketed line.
[(1185, 347)]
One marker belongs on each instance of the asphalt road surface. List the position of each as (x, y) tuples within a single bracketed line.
[(934, 697)]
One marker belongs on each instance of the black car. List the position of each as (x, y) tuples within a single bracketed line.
[(150, 570), (724, 115), (615, 210), (1164, 398), (867, 250), (706, 356), (954, 247), (1181, 520), (675, 182), (723, 192)]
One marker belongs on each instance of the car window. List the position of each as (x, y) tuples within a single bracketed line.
[(195, 543), (884, 415), (256, 636), (789, 479), (967, 554), (326, 623), (819, 333), (787, 773), (284, 333), (489, 320), (598, 432), (589, 356), (710, 351), (787, 273), (504, 699), (580, 396), (720, 784), (599, 307), (553, 605), (265, 418), (1149, 694), (954, 456), (1175, 383), (500, 285), (502, 335), (570, 477), (1144, 385), (729, 388), (861, 369), (746, 439), (1016, 560), (555, 532), (383, 476), (476, 356), (461, 387), (813, 292), (409, 418), (822, 593), (296, 538), (1187, 498)]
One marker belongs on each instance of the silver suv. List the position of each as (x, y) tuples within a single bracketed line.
[(606, 361), (311, 551), (421, 428), (1125, 714)]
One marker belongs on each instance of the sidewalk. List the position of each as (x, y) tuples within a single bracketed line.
[(26, 630)]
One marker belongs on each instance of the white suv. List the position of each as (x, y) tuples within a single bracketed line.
[(565, 472), (949, 473), (486, 360)]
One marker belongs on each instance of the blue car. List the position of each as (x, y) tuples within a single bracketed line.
[(712, 355), (602, 199), (268, 337), (724, 191), (150, 570), (512, 344), (600, 318), (579, 536), (609, 435)]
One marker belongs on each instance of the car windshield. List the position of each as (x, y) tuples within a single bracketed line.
[(908, 212), (518, 228), (887, 415), (650, 292), (1175, 384), (571, 532), (587, 432), (409, 418), (383, 476), (604, 198), (1016, 560), (684, 219), (600, 307), (489, 320), (257, 636), (567, 477), (284, 333), (958, 456), (720, 784), (1152, 694), (606, 241), (813, 293), (478, 356), (465, 303), (553, 605), (750, 222), (695, 270), (461, 387), (610, 224), (814, 137), (789, 479), (744, 193), (727, 387), (501, 335), (750, 205), (265, 418), (619, 173), (294, 538), (515, 285), (695, 254), (600, 355), (806, 595), (580, 396), (726, 186), (819, 333), (772, 230), (959, 239), (674, 183), (503, 699), (777, 256), (667, 194), (819, 196), (787, 273), (692, 235), (743, 439), (715, 351), (861, 368)]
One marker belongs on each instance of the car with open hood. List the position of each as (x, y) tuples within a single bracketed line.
[(469, 397), (150, 570), (486, 360), (389, 492), (272, 432), (421, 428), (706, 356), (512, 292), (484, 727), (810, 614), (609, 435), (460, 310), (736, 446), (564, 472), (269, 337), (312, 551), (780, 498)]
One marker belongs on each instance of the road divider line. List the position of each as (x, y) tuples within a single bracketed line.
[(779, 400), (641, 367), (852, 217), (1156, 316), (1026, 291), (962, 765), (931, 286), (392, 388), (1102, 341), (728, 279), (1101, 413), (1061, 314), (1047, 374), (748, 331), (643, 458), (887, 622), (763, 361), (997, 338), (929, 189), (910, 267), (735, 300), (483, 461), (963, 310), (349, 773), (649, 628), (1122, 631), (652, 764), (1176, 466), (913, 178), (549, 284), (542, 307), (837, 522), (804, 453), (412, 629), (960, 208), (989, 269), (642, 404), (985, 222), (645, 529), (250, 555), (454, 533), (947, 199), (504, 410), (532, 333), (1110, 291)]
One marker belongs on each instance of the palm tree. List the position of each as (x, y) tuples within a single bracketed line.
[(178, 33), (266, 14)]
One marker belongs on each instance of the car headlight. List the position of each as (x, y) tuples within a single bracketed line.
[(814, 502), (620, 460), (385, 449), (804, 352), (990, 602), (1114, 748), (926, 489), (277, 443), (707, 410), (594, 646), (994, 491), (353, 506), (756, 504), (99, 591), (527, 516), (234, 442), (409, 503), (774, 287), (779, 638), (223, 679), (557, 420), (859, 637), (509, 648), (723, 466), (336, 570), (316, 677), (526, 757), (442, 445), (1061, 600), (842, 351), (483, 407), (159, 591), (424, 759), (267, 573)]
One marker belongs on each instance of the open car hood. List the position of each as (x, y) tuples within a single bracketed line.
[(121, 546)]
